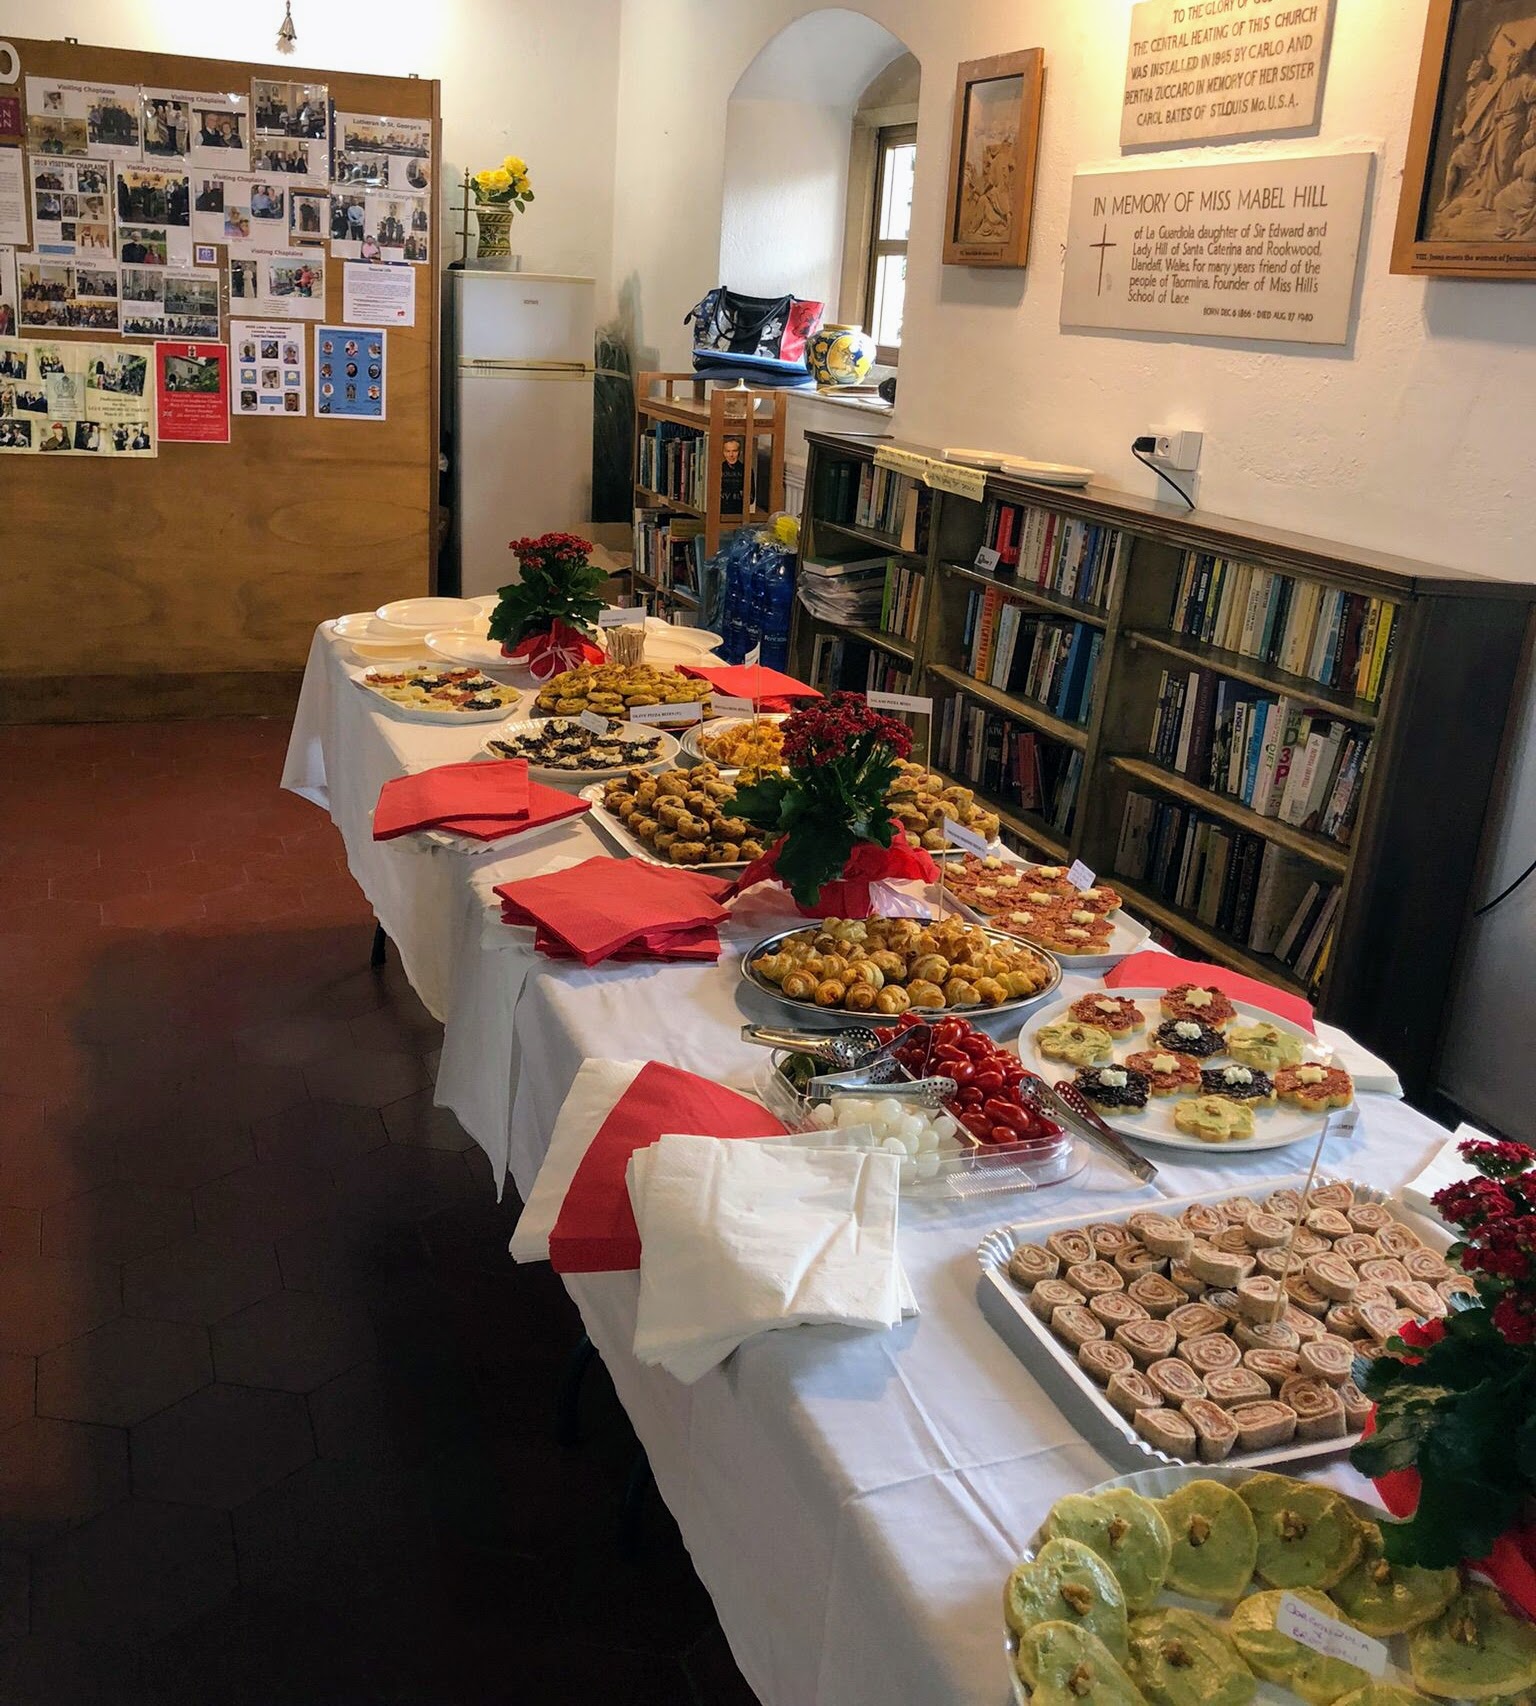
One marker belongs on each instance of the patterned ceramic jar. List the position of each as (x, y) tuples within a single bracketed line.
[(839, 355)]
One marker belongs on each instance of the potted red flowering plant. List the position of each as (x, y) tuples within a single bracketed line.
[(1456, 1398), (547, 618), (828, 806)]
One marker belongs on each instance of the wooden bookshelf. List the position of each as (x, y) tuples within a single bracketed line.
[(1406, 875), (716, 411)]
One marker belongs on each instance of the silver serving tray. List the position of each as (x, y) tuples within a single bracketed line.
[(1038, 1348), (843, 1016)]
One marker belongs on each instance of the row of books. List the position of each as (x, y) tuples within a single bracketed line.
[(885, 674), (841, 663), (673, 462), (1078, 559), (1278, 756), (1340, 639), (858, 494), (670, 550), (901, 612), (1051, 661), (1008, 762), (1234, 882)]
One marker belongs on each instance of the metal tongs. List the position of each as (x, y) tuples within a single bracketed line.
[(1073, 1110), (930, 1093), (848, 1050)]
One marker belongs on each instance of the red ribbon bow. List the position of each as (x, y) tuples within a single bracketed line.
[(552, 653)]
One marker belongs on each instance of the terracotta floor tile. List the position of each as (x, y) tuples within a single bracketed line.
[(265, 1201), (416, 1120), (221, 1446), (319, 1134), (292, 1341), (153, 911), (48, 1302), (18, 1388), (366, 1078), (186, 1151), (292, 1040), (55, 1475)]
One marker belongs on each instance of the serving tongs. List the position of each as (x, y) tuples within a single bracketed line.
[(928, 1093), (852, 1049), (1067, 1105)]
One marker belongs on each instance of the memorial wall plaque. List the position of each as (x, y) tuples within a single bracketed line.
[(1266, 248)]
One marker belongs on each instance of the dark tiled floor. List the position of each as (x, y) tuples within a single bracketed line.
[(275, 1408)]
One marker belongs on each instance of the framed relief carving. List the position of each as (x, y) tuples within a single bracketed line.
[(992, 153), (1468, 205)]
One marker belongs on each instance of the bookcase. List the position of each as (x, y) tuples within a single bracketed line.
[(709, 458), (1279, 749)]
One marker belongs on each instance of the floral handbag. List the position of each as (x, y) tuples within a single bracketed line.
[(772, 326)]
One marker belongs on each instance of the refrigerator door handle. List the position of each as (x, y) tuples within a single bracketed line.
[(477, 364)]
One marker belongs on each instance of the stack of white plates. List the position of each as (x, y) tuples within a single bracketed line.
[(666, 643), (375, 640), (423, 615), (467, 646)]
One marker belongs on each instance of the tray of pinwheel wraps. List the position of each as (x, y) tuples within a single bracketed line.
[(1219, 1329), (1227, 1586)]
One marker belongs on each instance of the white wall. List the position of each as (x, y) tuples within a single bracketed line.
[(506, 71), (786, 176), (1419, 437)]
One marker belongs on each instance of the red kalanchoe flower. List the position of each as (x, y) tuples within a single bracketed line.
[(1514, 1315), (1471, 1203), (1497, 1160), (827, 729)]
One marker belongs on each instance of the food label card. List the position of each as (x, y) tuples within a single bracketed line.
[(967, 840), (1328, 1636), (665, 713)]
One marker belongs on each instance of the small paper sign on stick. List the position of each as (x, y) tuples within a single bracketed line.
[(616, 616), (755, 656), (1079, 875), (725, 705), (594, 721), (670, 714), (899, 702), (1328, 1636), (967, 840)]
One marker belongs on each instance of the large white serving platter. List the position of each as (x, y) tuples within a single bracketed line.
[(569, 779), (1127, 935), (617, 831), (1274, 1126), (1047, 473), (469, 646), (1038, 1348), (1159, 1484), (374, 640), (442, 718), (426, 614)]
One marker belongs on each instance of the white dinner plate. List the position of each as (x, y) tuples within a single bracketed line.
[(1273, 1127), (425, 614), (977, 458), (666, 754), (666, 643), (1047, 473), (370, 638), (464, 645)]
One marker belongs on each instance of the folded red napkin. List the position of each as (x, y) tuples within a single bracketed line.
[(1160, 971), (770, 688), (456, 792), (595, 1231), (545, 805), (601, 905), (693, 942)]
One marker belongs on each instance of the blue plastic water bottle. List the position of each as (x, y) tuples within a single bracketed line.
[(779, 586), (733, 626), (752, 615)]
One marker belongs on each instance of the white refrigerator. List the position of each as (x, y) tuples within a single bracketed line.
[(522, 385)]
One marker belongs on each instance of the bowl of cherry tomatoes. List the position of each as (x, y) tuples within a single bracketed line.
[(988, 1100)]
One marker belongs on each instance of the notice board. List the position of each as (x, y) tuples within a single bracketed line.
[(189, 582)]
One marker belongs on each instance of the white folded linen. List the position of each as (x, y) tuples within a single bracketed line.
[(1445, 1167), (742, 1238), (1369, 1071)]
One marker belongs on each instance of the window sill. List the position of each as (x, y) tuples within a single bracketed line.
[(869, 405)]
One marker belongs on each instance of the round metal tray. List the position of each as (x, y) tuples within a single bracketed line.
[(844, 1016)]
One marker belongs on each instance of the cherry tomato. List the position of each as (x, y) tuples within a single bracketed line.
[(988, 1078)]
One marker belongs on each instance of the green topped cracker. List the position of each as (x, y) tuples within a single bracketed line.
[(1389, 1599), (1066, 1665), (1308, 1535), (1215, 1543), (1069, 1583), (1128, 1533), (1182, 1658)]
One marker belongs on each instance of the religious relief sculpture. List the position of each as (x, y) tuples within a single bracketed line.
[(1487, 146)]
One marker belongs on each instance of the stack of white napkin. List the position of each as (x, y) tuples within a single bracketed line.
[(1369, 1071), (1445, 1167), (739, 1238)]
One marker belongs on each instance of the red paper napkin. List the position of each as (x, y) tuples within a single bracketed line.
[(771, 688), (451, 792), (602, 905), (1161, 971), (545, 805), (694, 942), (595, 1232)]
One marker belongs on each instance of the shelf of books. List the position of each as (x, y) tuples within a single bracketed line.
[(1261, 738)]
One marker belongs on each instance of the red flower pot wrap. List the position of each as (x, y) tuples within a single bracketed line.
[(848, 895), (561, 648)]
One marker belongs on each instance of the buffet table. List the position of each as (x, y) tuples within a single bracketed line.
[(852, 1501)]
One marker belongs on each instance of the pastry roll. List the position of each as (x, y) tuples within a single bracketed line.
[(1232, 1386), (1101, 1360), (1115, 1308), (1048, 1295), (1175, 1380), (1131, 1392), (1148, 1341), (1264, 1423), (1215, 1431), (1167, 1430), (1155, 1293), (1210, 1352), (1191, 1320), (1031, 1263)]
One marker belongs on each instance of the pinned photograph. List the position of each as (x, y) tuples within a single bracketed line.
[(119, 373), (15, 435), (209, 195), (191, 306), (143, 246), (50, 134), (349, 218), (268, 203), (143, 285), (280, 355), (221, 130), (304, 279), (308, 214), (244, 281), (205, 255), (96, 282), (153, 197), (291, 122), (167, 122)]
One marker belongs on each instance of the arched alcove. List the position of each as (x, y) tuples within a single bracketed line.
[(800, 157)]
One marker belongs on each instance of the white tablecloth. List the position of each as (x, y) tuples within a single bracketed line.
[(852, 1501)]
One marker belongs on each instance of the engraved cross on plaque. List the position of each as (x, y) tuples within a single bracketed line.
[(1102, 246)]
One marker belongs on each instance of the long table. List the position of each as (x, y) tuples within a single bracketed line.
[(852, 1501)]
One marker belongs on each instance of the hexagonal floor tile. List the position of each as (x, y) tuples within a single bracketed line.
[(55, 1475), (123, 1372), (137, 1572), (18, 1388), (50, 1301), (417, 1121), (319, 1134), (15, 1595), (403, 1183), (294, 1040), (21, 1235), (39, 1167), (293, 1340), (367, 1078), (200, 1279), (184, 1152), (265, 1201), (221, 1446), (116, 1222), (246, 1091)]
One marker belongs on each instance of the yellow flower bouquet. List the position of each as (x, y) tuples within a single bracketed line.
[(506, 185)]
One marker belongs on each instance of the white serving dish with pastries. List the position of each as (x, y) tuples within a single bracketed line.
[(717, 739), (1013, 878), (403, 692), (536, 730), (1275, 1124), (1006, 1303)]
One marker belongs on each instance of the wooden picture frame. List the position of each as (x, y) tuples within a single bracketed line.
[(992, 153), (1467, 208)]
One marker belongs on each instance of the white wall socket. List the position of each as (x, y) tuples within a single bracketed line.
[(1177, 450)]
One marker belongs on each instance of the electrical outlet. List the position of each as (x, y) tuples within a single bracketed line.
[(1177, 451)]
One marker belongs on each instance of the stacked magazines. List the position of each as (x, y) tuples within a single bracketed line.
[(849, 593)]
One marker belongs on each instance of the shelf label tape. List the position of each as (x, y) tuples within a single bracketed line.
[(952, 477), (907, 462)]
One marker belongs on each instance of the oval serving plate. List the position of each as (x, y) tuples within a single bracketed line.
[(845, 1016), (440, 714), (665, 757), (467, 646), (1274, 1126), (694, 753), (617, 831)]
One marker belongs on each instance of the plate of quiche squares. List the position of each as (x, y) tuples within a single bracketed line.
[(1084, 927), (1188, 1067)]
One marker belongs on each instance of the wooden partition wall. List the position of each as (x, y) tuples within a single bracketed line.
[(190, 583)]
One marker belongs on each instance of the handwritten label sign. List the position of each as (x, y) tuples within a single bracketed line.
[(899, 702), (988, 559), (1326, 1635), (1079, 875), (672, 715), (1265, 248), (591, 720), (907, 462), (1202, 69), (967, 840), (754, 657), (615, 617), (952, 477), (727, 706)]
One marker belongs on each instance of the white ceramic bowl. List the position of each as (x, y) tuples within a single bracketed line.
[(426, 614)]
